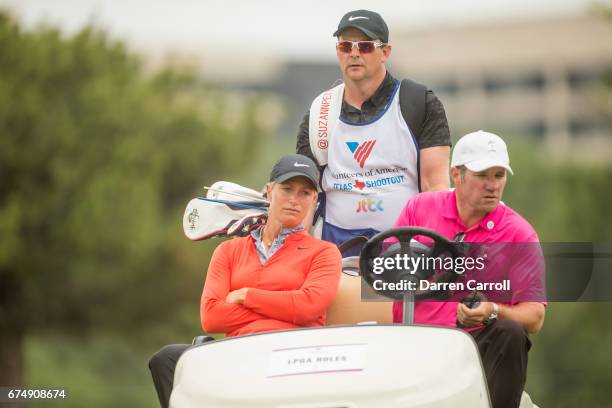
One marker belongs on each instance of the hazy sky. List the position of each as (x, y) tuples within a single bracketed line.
[(283, 27)]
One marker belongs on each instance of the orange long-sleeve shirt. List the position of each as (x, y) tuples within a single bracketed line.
[(292, 289)]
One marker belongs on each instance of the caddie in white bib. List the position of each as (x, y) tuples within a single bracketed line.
[(372, 171)]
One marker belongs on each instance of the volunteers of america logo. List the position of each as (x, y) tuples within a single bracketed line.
[(361, 151)]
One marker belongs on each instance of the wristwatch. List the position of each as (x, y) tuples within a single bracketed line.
[(493, 314)]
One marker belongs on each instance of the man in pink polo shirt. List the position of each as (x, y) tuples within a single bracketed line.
[(474, 212)]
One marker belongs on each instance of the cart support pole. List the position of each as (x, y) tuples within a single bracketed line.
[(408, 304)]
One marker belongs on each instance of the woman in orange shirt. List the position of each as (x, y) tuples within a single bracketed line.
[(279, 277)]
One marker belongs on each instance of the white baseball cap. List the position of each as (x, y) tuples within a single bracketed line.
[(481, 150)]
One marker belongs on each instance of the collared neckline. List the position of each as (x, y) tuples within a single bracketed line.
[(380, 96), (382, 93), (488, 222), (286, 234), (283, 234)]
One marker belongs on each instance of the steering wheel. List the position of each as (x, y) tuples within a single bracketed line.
[(377, 248)]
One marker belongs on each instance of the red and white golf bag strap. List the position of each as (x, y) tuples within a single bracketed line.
[(324, 114)]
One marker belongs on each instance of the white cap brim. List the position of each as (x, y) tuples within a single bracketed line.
[(480, 165)]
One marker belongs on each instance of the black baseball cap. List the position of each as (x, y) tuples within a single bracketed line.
[(295, 165), (368, 22)]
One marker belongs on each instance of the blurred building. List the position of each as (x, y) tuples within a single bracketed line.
[(542, 79)]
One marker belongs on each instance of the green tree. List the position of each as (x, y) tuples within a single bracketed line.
[(97, 160)]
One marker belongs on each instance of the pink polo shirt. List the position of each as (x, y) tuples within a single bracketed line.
[(438, 211)]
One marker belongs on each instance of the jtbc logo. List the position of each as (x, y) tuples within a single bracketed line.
[(369, 205)]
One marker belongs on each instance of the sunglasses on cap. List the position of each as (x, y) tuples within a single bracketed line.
[(364, 47)]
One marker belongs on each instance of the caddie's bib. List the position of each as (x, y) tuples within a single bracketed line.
[(371, 174)]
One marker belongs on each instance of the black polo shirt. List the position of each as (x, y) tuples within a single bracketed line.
[(435, 130)]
